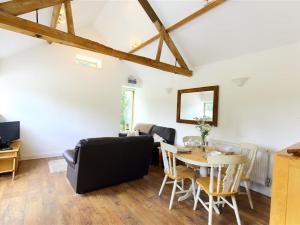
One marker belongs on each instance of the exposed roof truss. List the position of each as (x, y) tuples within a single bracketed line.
[(10, 10), (163, 33), (181, 23)]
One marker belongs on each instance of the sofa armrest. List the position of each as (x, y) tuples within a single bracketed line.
[(166, 133), (156, 144), (122, 134), (70, 156)]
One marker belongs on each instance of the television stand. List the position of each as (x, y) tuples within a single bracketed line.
[(9, 159), (7, 148)]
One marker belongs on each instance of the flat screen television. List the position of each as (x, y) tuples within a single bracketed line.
[(9, 131)]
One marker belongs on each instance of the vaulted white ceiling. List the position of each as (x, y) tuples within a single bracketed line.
[(234, 28), (84, 13)]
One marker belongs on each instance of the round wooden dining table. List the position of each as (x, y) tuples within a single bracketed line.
[(194, 156), (197, 157)]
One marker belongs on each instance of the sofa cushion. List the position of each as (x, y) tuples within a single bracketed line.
[(144, 127), (133, 133), (143, 133)]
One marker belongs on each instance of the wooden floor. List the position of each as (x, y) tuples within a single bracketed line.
[(37, 197)]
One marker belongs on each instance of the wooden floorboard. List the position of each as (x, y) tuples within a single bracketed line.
[(37, 197)]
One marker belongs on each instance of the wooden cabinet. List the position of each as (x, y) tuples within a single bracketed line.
[(286, 190), (9, 159)]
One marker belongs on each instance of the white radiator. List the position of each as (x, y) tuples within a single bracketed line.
[(260, 172)]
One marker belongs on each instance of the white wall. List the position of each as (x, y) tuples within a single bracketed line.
[(57, 101), (265, 111)]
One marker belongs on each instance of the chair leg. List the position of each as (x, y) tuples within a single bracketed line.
[(210, 210), (182, 184), (248, 194), (193, 188), (236, 210), (173, 194), (196, 198), (163, 185), (216, 208)]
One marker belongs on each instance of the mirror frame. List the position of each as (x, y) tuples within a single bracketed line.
[(215, 90)]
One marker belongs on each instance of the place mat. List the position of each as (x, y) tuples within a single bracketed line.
[(184, 150), (225, 152), (214, 153)]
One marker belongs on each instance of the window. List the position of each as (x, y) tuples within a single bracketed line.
[(208, 110), (88, 61), (127, 109)]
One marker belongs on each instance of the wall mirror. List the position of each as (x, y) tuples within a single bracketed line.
[(198, 102)]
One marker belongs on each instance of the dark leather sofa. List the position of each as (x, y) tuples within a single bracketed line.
[(100, 162)]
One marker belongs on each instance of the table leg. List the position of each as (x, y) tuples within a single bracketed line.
[(203, 171), (188, 194)]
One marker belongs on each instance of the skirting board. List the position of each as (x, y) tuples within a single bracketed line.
[(40, 156), (259, 188)]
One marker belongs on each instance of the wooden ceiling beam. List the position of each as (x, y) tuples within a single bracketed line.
[(160, 27), (180, 23), (18, 7), (69, 17), (160, 45), (55, 16), (16, 24)]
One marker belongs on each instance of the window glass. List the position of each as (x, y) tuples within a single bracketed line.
[(127, 104)]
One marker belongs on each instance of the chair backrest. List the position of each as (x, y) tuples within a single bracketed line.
[(169, 158), (250, 151), (234, 167), (187, 139)]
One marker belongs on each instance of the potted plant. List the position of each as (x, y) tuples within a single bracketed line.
[(204, 128)]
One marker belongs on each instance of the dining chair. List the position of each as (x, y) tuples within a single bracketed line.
[(250, 151), (186, 141), (195, 139), (175, 173), (220, 186)]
